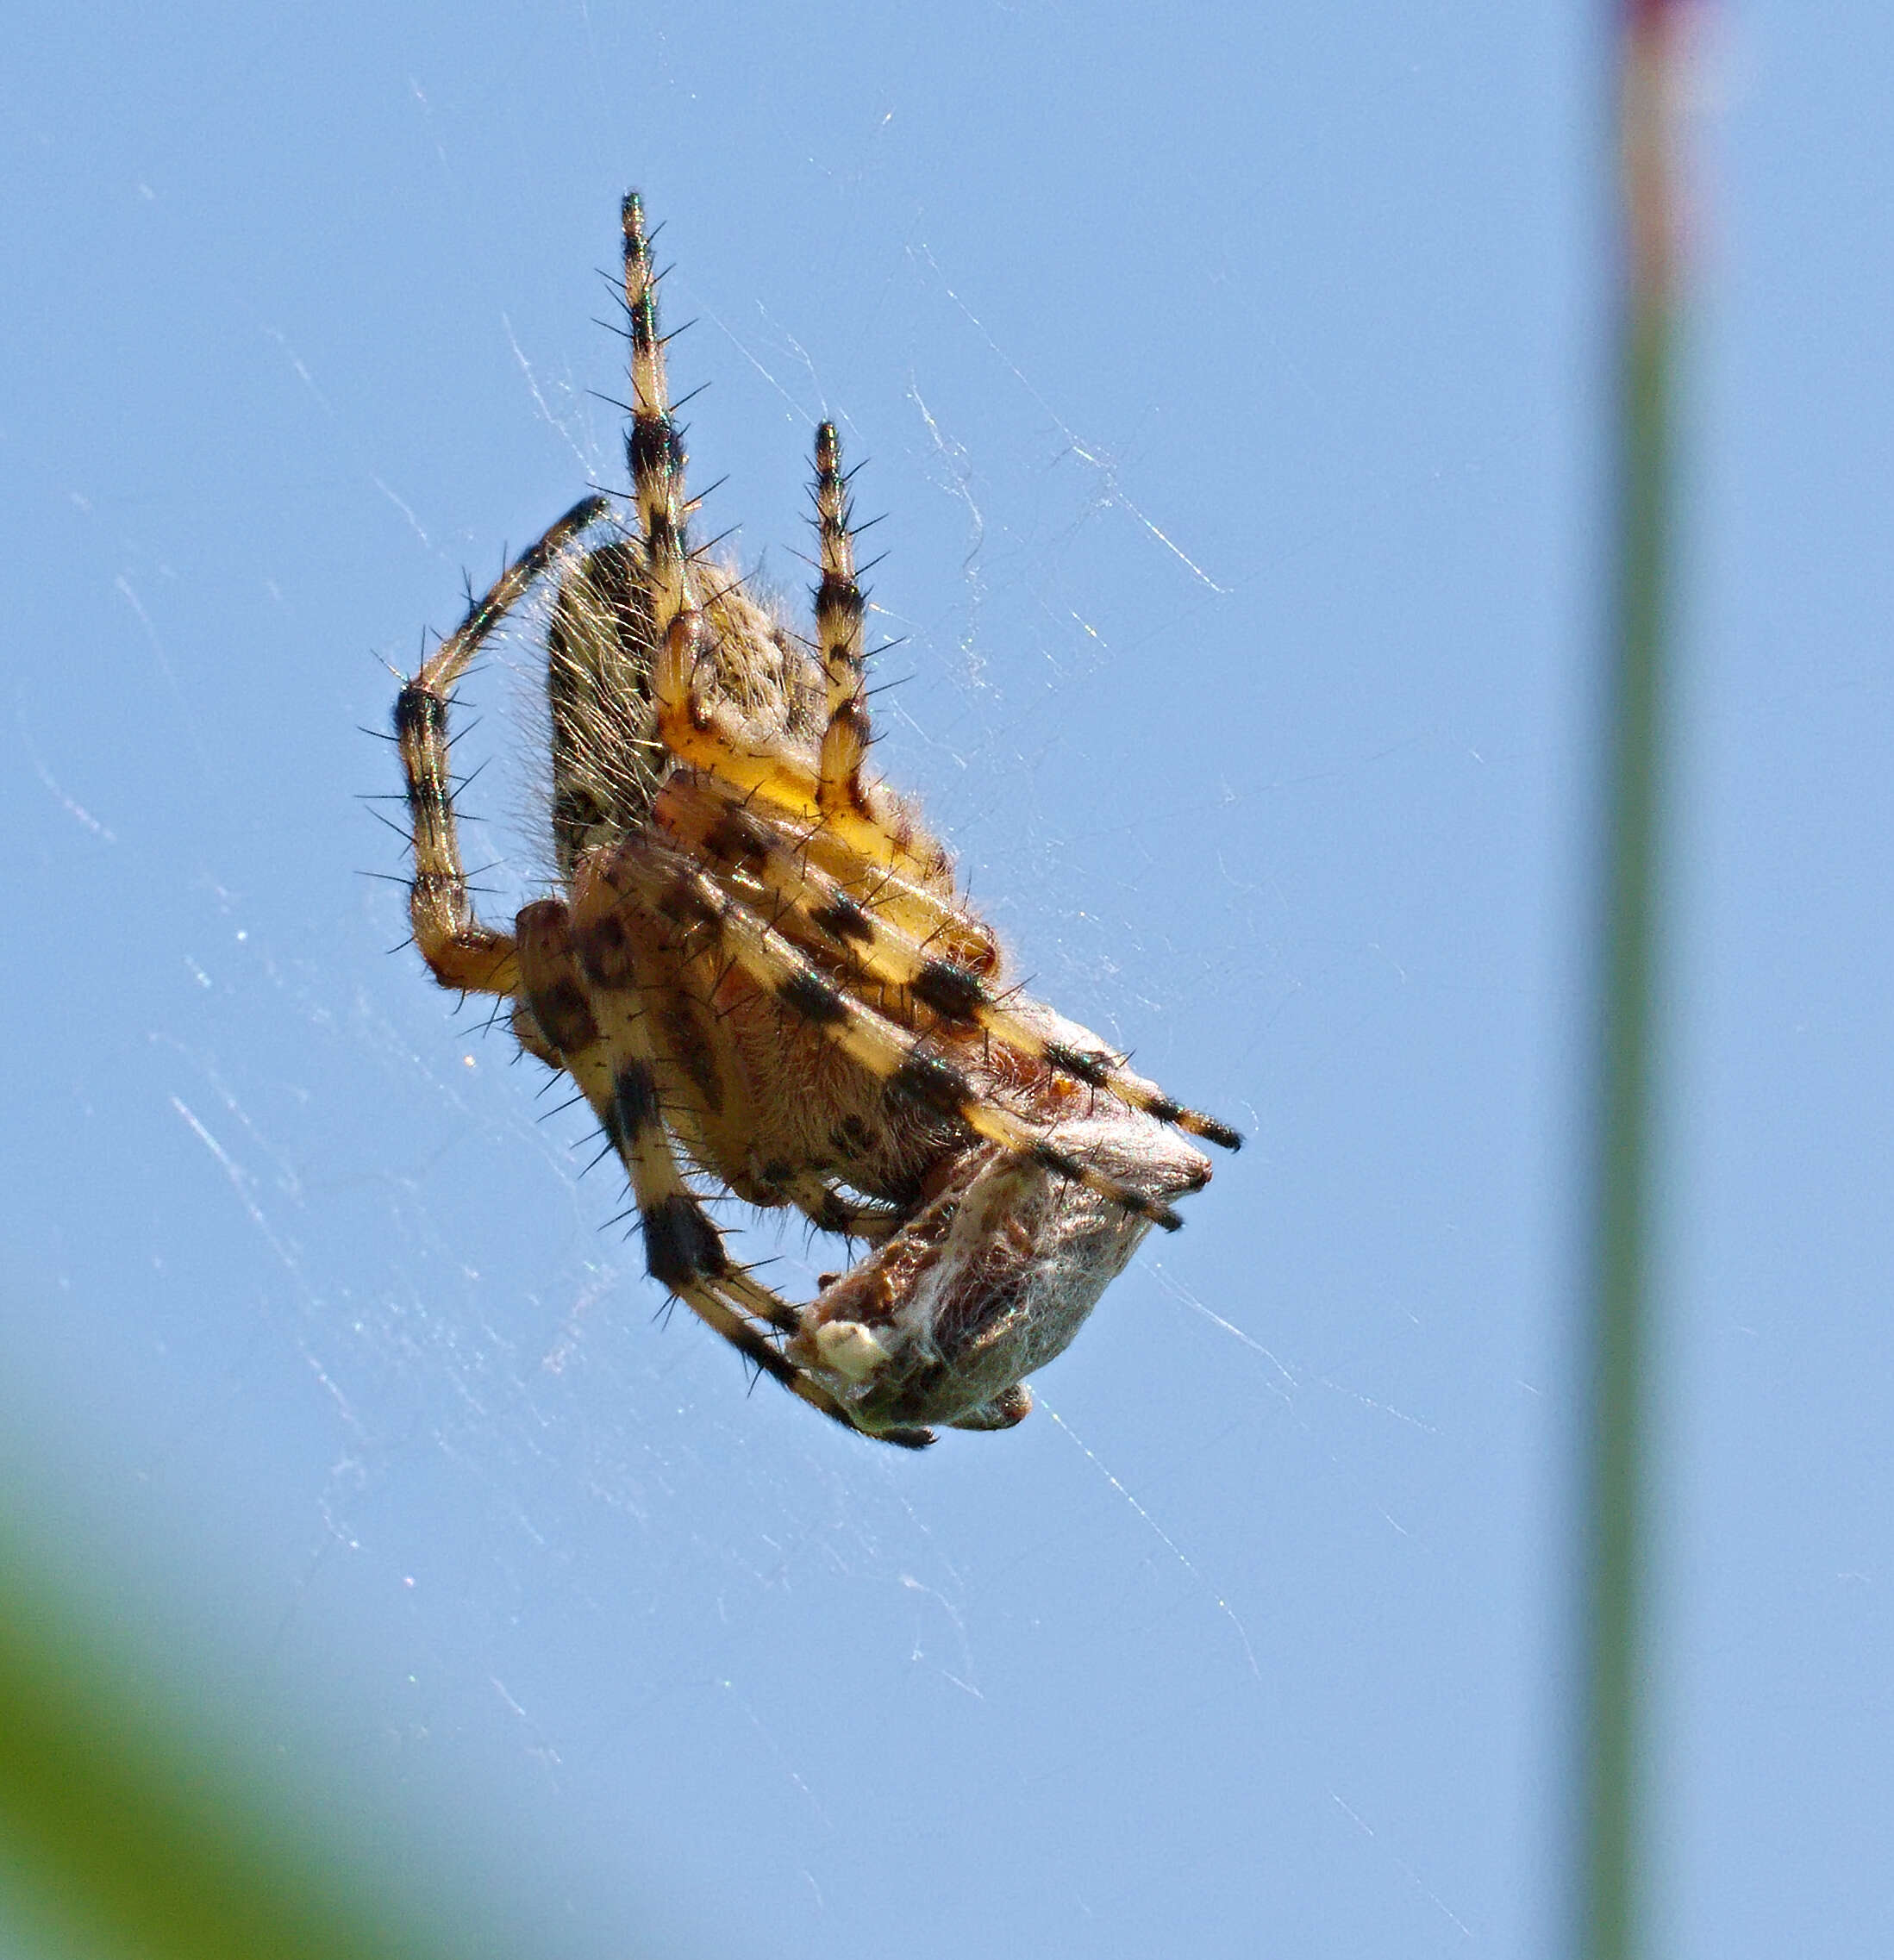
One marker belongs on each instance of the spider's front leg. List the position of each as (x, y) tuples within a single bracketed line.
[(461, 951), (989, 1282), (705, 734), (831, 791)]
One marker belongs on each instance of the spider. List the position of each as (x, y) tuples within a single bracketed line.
[(757, 963)]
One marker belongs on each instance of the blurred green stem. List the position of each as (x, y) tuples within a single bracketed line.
[(1612, 1903), (1621, 1309)]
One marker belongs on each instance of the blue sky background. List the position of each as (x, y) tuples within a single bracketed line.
[(1231, 382)]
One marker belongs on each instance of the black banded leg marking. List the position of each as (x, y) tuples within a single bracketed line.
[(461, 951), (621, 1074), (654, 450), (655, 454), (550, 983)]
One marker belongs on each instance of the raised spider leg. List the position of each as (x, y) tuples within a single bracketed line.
[(738, 844), (867, 817), (838, 613), (654, 449), (461, 951), (870, 819), (889, 1052), (578, 979)]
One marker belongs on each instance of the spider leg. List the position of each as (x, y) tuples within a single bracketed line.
[(840, 608), (739, 844), (868, 818), (602, 1037), (708, 1099), (691, 729), (827, 1209), (908, 1073), (578, 981), (654, 449), (461, 950)]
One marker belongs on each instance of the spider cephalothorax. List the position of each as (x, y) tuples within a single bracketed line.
[(757, 958)]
